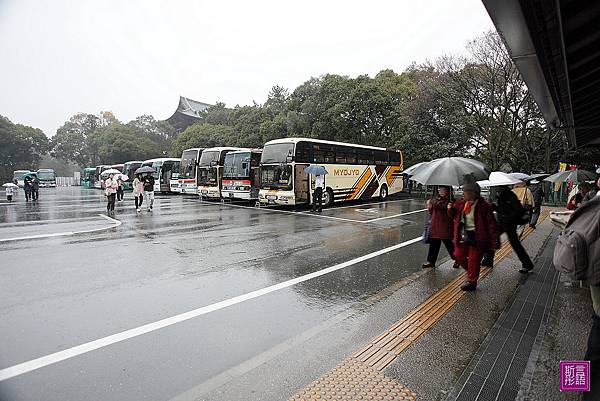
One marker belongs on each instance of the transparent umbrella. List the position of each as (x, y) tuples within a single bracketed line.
[(572, 175), (454, 171)]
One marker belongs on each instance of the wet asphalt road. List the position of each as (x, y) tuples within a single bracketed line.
[(59, 291)]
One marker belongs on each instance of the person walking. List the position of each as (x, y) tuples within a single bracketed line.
[(474, 232), (110, 189), (440, 227), (35, 188), (148, 181), (138, 192), (510, 215), (27, 187), (318, 193), (120, 189), (10, 191)]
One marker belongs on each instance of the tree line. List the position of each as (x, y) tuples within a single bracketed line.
[(475, 105)]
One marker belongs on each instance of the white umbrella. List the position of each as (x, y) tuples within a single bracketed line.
[(498, 178), (110, 171), (411, 170), (10, 184), (521, 176)]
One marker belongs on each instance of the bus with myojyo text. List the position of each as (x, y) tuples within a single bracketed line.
[(162, 172), (210, 171), (241, 175), (188, 170), (354, 171)]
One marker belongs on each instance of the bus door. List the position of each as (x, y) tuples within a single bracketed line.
[(301, 185)]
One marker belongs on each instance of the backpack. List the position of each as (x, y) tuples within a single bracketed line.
[(577, 251)]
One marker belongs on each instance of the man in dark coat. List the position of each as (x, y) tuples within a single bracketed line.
[(474, 232), (510, 212), (440, 227)]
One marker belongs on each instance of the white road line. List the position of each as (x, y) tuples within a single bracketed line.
[(38, 363), (395, 215), (371, 203), (65, 233)]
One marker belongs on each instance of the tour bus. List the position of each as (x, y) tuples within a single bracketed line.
[(241, 175), (162, 172), (19, 175), (354, 171), (174, 180), (88, 177), (118, 167), (97, 179), (210, 171), (188, 174), (129, 170), (46, 177)]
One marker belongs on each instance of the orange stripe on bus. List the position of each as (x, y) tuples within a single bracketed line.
[(389, 176), (361, 183)]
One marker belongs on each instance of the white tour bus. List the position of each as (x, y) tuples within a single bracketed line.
[(188, 170), (354, 171), (162, 172), (241, 175), (210, 171)]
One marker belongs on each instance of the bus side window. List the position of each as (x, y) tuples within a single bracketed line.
[(318, 154), (381, 157), (365, 156), (394, 158), (351, 156), (329, 156), (302, 152)]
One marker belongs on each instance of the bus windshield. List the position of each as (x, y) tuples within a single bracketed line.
[(277, 153), (157, 166), (207, 175), (237, 165), (208, 157), (276, 177), (188, 164), (46, 175)]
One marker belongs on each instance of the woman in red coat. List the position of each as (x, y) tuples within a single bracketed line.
[(440, 227), (474, 232)]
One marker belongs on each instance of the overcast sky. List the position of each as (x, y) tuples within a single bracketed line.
[(61, 57)]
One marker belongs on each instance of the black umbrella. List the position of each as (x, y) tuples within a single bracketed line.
[(145, 169)]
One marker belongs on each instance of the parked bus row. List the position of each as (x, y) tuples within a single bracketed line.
[(45, 176), (273, 175)]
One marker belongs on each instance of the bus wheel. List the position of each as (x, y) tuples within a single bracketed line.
[(383, 192), (328, 197)]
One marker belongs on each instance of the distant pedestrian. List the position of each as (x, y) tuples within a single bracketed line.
[(110, 189), (474, 232), (318, 193), (138, 192), (510, 215), (440, 227), (35, 188), (120, 188), (148, 181), (538, 200), (27, 187), (577, 200), (10, 190)]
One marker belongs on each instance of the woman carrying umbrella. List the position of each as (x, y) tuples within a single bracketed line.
[(10, 189), (440, 226), (138, 192), (110, 188)]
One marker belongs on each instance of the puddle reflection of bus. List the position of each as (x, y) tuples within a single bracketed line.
[(188, 174), (19, 175), (241, 175), (354, 171), (162, 172), (88, 177), (98, 172), (129, 170), (210, 171)]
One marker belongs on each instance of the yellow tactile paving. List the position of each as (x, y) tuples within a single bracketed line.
[(352, 380), (359, 377)]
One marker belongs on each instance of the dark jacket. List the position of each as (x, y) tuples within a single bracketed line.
[(509, 208), (486, 234), (441, 223), (149, 184)]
